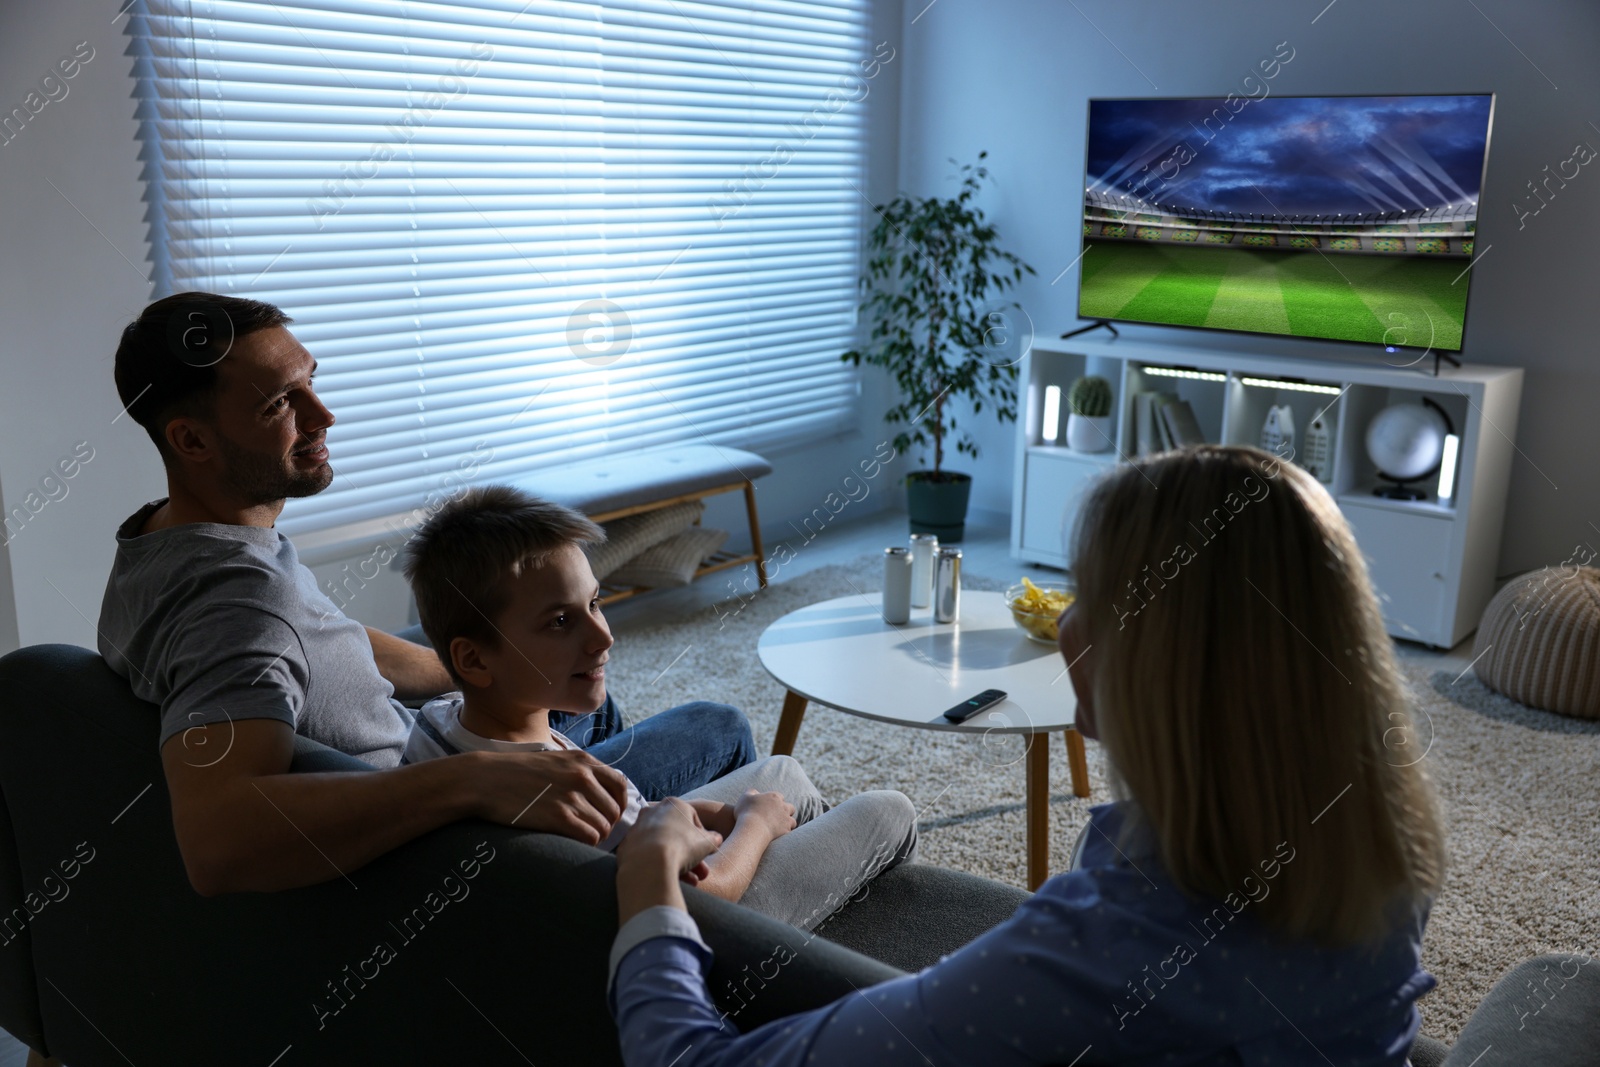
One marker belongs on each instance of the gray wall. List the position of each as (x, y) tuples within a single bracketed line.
[(73, 272), (69, 282), (1012, 77), (1007, 75)]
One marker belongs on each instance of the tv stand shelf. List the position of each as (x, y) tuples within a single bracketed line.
[(1432, 561)]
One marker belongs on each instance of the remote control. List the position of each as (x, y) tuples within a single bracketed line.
[(982, 702)]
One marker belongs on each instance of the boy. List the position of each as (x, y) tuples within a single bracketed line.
[(508, 600)]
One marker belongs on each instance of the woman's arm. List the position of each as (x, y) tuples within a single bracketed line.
[(664, 1014)]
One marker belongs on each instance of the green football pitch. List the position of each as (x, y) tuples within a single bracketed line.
[(1399, 300)]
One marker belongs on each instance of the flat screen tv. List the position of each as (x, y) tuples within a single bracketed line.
[(1348, 218)]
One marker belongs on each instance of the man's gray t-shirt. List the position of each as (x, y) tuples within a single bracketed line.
[(218, 623)]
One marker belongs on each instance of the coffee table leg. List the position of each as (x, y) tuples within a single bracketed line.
[(794, 709), (1038, 809), (1079, 762)]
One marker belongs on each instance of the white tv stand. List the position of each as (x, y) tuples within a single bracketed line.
[(1431, 561)]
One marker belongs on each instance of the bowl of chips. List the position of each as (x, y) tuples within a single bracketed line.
[(1036, 607)]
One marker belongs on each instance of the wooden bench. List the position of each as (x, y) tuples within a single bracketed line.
[(636, 482)]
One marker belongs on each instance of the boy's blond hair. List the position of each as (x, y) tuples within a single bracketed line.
[(460, 559), (1246, 692)]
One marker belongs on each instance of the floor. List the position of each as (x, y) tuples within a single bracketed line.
[(986, 550)]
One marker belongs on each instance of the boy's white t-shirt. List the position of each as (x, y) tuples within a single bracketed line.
[(438, 732)]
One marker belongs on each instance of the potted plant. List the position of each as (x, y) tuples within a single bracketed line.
[(1089, 415), (934, 275)]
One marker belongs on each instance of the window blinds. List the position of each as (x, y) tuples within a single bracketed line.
[(524, 234)]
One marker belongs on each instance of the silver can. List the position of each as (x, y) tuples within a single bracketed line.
[(897, 585), (924, 546), (947, 585)]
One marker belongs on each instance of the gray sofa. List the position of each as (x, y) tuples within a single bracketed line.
[(107, 956)]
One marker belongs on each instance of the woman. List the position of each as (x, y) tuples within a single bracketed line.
[(1258, 892)]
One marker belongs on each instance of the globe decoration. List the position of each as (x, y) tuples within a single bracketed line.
[(1406, 442)]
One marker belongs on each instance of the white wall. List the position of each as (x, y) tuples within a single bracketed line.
[(72, 274), (66, 291), (1012, 77)]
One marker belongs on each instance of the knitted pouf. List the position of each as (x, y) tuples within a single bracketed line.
[(1539, 641)]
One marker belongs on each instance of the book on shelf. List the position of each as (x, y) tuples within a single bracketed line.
[(1149, 433), (1143, 430), (1182, 427), (1161, 421)]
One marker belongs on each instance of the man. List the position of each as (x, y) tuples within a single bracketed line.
[(209, 613)]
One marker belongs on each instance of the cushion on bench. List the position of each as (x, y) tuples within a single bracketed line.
[(614, 482), (673, 562), (630, 535)]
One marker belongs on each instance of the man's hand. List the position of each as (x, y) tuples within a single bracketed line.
[(568, 793), (769, 812)]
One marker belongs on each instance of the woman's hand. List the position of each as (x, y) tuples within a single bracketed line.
[(670, 833), (667, 844), (768, 811)]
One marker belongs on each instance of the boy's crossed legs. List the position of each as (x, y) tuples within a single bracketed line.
[(703, 751), (809, 872)]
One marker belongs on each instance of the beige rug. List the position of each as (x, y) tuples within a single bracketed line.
[(1520, 786)]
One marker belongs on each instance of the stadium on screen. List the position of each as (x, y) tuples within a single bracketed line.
[(1209, 247)]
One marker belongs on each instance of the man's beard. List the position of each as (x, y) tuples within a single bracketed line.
[(262, 479)]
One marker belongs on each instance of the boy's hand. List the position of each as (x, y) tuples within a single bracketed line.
[(714, 815), (767, 810)]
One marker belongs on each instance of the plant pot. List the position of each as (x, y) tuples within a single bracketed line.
[(938, 507), (1089, 433)]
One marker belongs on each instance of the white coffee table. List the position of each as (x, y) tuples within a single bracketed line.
[(840, 653)]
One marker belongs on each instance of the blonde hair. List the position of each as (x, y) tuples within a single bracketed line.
[(1246, 692)]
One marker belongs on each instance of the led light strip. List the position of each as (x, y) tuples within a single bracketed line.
[(1199, 375), (1297, 387), (1052, 414), (1447, 467)]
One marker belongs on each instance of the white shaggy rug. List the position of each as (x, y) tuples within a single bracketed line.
[(1519, 786)]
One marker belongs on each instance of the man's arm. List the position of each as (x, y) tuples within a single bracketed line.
[(244, 823), (414, 670)]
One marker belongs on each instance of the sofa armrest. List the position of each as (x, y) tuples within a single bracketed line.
[(1543, 1011), (912, 915)]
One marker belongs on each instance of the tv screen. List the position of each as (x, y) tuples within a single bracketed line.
[(1349, 218)]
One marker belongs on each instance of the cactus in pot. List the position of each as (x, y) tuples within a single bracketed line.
[(1089, 414), (1091, 395)]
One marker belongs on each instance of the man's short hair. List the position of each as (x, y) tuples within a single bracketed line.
[(166, 364), (462, 557)]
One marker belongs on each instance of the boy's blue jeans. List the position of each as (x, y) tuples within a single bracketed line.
[(669, 753)]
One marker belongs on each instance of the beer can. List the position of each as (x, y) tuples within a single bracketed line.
[(923, 548), (947, 585), (897, 585)]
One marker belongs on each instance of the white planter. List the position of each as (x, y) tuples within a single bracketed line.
[(1089, 433)]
